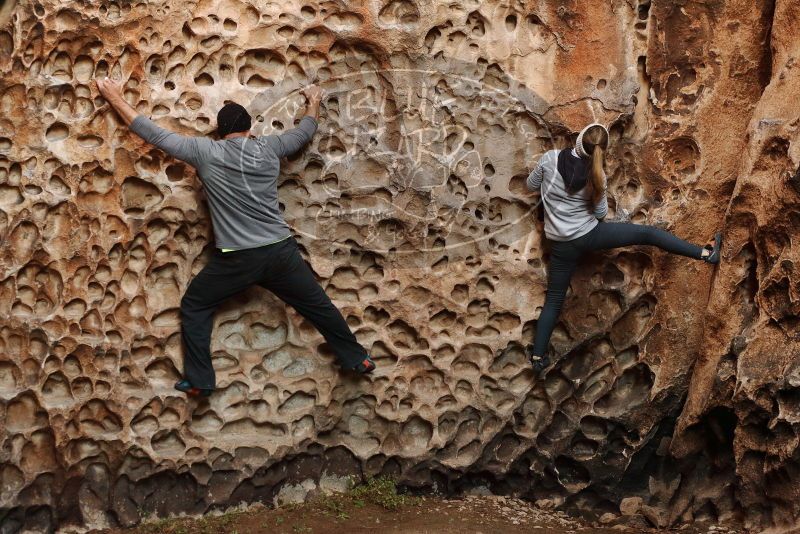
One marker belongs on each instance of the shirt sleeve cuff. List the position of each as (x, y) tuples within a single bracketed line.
[(308, 126), (140, 125)]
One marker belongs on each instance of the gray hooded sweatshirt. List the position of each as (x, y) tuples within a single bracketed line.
[(567, 216)]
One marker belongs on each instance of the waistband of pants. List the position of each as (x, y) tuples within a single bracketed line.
[(230, 251)]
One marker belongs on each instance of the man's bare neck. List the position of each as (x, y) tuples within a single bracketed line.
[(237, 134)]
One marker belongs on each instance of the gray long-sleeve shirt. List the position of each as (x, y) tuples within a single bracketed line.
[(567, 216), (240, 178)]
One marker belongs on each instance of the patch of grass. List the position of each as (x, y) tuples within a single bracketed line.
[(335, 505), (292, 506), (166, 526), (219, 523), (203, 525), (381, 491)]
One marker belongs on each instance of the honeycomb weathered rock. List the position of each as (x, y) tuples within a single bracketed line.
[(410, 205)]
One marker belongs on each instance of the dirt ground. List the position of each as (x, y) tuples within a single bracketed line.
[(335, 515)]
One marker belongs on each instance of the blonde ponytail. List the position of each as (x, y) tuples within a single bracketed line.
[(592, 143), (598, 175)]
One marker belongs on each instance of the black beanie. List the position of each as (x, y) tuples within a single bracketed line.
[(232, 118)]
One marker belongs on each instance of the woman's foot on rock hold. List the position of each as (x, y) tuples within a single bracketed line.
[(539, 363), (365, 367), (186, 387), (712, 251)]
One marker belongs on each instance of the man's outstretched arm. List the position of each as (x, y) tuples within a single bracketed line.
[(293, 140), (178, 146), (313, 94), (112, 92)]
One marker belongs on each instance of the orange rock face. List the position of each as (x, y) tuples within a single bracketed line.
[(677, 383)]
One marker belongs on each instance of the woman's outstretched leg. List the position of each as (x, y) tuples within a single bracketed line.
[(562, 264), (613, 235)]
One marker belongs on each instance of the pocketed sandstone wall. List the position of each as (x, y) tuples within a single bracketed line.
[(410, 205), (743, 399)]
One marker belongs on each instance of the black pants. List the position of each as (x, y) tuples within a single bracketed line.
[(281, 269), (566, 256)]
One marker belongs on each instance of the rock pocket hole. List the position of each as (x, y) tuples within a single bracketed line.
[(57, 132)]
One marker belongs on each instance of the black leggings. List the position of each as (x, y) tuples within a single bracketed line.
[(281, 269), (566, 256)]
